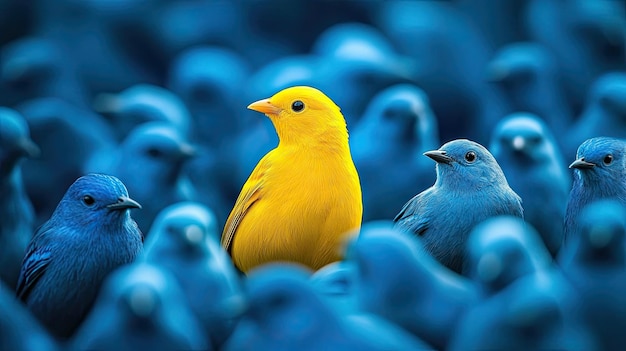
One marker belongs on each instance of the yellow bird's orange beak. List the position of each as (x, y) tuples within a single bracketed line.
[(264, 106)]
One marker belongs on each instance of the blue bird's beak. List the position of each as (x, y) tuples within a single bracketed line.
[(439, 156), (582, 164), (124, 202)]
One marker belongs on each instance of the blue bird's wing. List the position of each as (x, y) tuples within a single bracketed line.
[(35, 264), (412, 216)]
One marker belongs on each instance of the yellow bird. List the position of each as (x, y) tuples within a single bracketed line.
[(304, 196)]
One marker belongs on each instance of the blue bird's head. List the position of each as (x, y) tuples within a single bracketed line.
[(600, 164), (517, 66), (466, 165), (524, 136), (95, 200), (15, 141), (608, 92)]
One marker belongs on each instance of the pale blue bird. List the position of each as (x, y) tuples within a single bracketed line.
[(387, 145), (527, 151), (470, 188), (89, 235), (185, 240), (16, 210), (599, 173), (140, 307)]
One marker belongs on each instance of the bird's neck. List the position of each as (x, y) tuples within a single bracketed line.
[(333, 139)]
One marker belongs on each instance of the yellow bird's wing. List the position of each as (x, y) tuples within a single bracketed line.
[(250, 193)]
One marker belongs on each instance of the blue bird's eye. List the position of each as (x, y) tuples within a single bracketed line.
[(88, 200), (608, 159), (152, 152), (470, 156), (297, 106)]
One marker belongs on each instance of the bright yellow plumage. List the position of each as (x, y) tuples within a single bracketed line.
[(304, 196)]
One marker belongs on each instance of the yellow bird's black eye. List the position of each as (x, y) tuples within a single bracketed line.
[(297, 106)]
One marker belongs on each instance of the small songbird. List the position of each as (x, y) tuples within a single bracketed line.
[(599, 173), (304, 196), (89, 235), (470, 188), (529, 156)]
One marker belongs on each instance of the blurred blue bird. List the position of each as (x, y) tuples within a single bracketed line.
[(594, 263), (36, 67), (151, 162), (398, 280), (588, 38), (140, 307), (452, 74), (604, 113), (501, 250), (335, 283), (527, 151), (68, 136), (599, 173), (16, 211), (387, 145), (143, 103), (209, 80), (89, 235), (356, 62), (286, 313), (19, 331), (536, 312), (528, 75), (498, 21), (185, 240), (470, 188)]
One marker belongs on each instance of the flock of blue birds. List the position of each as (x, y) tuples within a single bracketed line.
[(520, 246)]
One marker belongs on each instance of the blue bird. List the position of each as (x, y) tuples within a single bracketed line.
[(209, 79), (452, 74), (398, 280), (335, 282), (356, 62), (599, 173), (588, 38), (185, 240), (498, 21), (501, 250), (594, 263), (89, 235), (604, 113), (16, 211), (529, 77), (36, 67), (470, 188), (68, 136), (536, 312), (151, 162), (140, 307), (387, 144), (19, 330), (529, 156), (143, 103), (286, 313)]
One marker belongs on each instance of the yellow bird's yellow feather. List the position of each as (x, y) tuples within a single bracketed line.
[(303, 197)]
